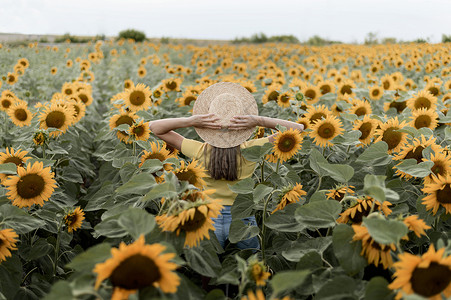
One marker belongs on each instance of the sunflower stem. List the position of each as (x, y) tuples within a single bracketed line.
[(277, 166), (263, 227), (134, 149), (57, 248), (320, 178), (43, 152), (436, 222)]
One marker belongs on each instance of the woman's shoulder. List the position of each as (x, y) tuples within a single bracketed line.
[(192, 148)]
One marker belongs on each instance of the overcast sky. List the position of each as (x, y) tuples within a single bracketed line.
[(344, 20)]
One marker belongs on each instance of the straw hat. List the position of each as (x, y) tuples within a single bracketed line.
[(226, 100)]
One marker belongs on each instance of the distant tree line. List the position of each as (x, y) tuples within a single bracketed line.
[(75, 39), (259, 38)]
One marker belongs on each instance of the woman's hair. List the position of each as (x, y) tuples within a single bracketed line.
[(223, 162)]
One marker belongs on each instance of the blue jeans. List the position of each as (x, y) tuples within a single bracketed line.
[(222, 227)]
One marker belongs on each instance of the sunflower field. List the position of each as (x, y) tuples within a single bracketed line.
[(356, 206)]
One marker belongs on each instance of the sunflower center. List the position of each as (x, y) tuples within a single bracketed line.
[(434, 91), (55, 119), (416, 154), (20, 114), (189, 99), (187, 175), (138, 131), (365, 128), (273, 96), (124, 120), (438, 168), (360, 111), (77, 110), (13, 159), (30, 186), (399, 106), (135, 272), (326, 131), (444, 195), (6, 103), (284, 98), (172, 85), (346, 89), (157, 94), (392, 137), (360, 213), (422, 121), (386, 85), (70, 219), (317, 116), (287, 143), (11, 78), (422, 102), (195, 223), (83, 98), (325, 89), (311, 94), (68, 91), (137, 98), (430, 281)]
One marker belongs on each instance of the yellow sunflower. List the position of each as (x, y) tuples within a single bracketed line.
[(123, 117), (339, 192), (140, 131), (312, 94), (257, 273), (416, 225), (157, 152), (85, 96), (195, 220), (171, 84), (142, 72), (428, 275), (374, 252), (442, 167), (57, 117), (284, 99), (375, 92), (362, 208), (79, 108), (324, 130), (398, 105), (367, 126), (388, 132), (10, 156), (287, 144), (194, 173), (6, 102), (423, 99), (345, 89), (424, 118), (24, 62), (39, 138), (289, 194), (360, 107), (32, 185), (414, 149), (74, 219), (271, 94), (12, 78), (19, 114), (8, 240), (138, 97), (187, 98), (438, 194), (315, 113), (136, 266), (387, 82), (433, 88), (326, 86)]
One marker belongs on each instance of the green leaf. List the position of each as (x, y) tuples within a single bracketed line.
[(261, 191), (60, 290), (138, 184), (284, 281), (152, 165), (245, 186), (39, 248), (375, 155), (411, 167), (240, 231), (348, 251), (17, 219), (374, 186), (319, 214), (349, 138), (318, 196), (109, 228), (377, 289), (298, 250), (341, 173), (10, 276), (340, 287), (45, 162), (165, 189), (385, 231), (86, 261), (315, 158), (257, 153), (8, 168), (243, 206), (204, 261), (284, 219), (136, 221)]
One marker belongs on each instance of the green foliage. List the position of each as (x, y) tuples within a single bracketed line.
[(259, 38), (72, 38), (446, 38), (136, 35)]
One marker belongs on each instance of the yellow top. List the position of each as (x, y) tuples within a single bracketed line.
[(195, 150)]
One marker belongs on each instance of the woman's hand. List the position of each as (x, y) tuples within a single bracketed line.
[(243, 122), (209, 121)]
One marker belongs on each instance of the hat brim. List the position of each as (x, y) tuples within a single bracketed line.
[(224, 138)]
